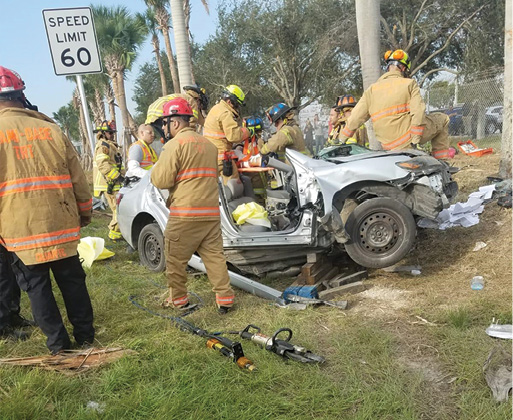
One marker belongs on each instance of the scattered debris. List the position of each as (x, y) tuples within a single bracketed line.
[(95, 406), (356, 287), (497, 371), (98, 204), (503, 192), (461, 214), (415, 270), (424, 321), (292, 306), (340, 304), (346, 279), (92, 249), (500, 330), (71, 360), (479, 246), (477, 283)]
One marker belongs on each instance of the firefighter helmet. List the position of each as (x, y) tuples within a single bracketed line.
[(346, 101), (11, 84), (106, 126), (400, 56), (177, 107), (278, 111), (254, 123), (235, 94), (198, 92)]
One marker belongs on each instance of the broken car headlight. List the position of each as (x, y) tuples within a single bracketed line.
[(422, 165)]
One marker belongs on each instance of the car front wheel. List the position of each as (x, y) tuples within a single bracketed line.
[(382, 232), (151, 248)]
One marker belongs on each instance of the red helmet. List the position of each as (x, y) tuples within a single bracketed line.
[(10, 82), (177, 107)]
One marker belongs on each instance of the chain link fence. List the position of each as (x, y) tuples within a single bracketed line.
[(474, 106)]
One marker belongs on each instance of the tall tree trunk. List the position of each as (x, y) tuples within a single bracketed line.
[(507, 133), (111, 101), (156, 50), (183, 56), (118, 83), (187, 14), (171, 60), (86, 157), (367, 22), (98, 107)]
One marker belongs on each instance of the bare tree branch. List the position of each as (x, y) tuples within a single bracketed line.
[(412, 26), (434, 71), (448, 40)]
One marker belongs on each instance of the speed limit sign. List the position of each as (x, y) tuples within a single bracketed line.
[(72, 39)]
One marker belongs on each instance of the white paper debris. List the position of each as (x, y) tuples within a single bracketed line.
[(479, 245), (500, 331), (461, 214)]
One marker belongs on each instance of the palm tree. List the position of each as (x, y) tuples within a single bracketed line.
[(120, 35), (67, 119), (96, 85), (187, 13), (181, 13), (367, 22), (151, 23), (162, 17)]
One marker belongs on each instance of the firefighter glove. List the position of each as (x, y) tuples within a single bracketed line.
[(85, 220), (415, 139)]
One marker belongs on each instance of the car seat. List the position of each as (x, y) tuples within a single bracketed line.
[(234, 193)]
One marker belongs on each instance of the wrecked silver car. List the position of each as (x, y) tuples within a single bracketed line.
[(364, 202)]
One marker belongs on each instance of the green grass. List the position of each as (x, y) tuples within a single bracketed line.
[(174, 376)]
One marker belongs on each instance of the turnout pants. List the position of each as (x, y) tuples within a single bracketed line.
[(70, 277), (114, 232), (437, 132), (182, 239), (9, 291)]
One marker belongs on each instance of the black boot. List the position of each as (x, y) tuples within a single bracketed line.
[(223, 310), (17, 321), (12, 334)]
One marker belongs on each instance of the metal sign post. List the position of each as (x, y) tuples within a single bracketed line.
[(85, 108), (74, 48)]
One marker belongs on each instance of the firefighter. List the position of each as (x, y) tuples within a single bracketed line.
[(339, 115), (141, 156), (187, 167), (249, 156), (108, 170), (288, 134), (223, 128), (44, 185), (397, 111), (197, 98)]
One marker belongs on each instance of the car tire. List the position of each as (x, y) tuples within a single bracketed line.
[(151, 248), (382, 232), (490, 128)]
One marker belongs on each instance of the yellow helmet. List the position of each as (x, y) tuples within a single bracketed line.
[(235, 94), (400, 56), (106, 126), (156, 109)]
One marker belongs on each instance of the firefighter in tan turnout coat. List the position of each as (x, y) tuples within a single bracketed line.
[(108, 171), (288, 134), (188, 168), (223, 128), (197, 98), (397, 111), (44, 200), (338, 116)]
